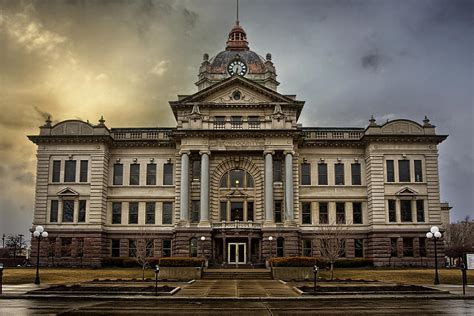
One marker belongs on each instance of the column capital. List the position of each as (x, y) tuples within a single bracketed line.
[(184, 152), (207, 152), (291, 152), (266, 152)]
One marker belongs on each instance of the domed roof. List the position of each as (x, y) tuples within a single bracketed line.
[(255, 63)]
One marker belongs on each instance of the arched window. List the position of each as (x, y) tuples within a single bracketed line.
[(280, 247), (237, 178), (193, 247)]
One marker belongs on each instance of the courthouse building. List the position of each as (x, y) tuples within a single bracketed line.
[(237, 180)]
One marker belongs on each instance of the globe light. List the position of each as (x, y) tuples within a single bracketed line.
[(40, 229), (429, 235), (203, 238), (36, 233), (437, 235), (44, 234), (434, 229), (270, 238)]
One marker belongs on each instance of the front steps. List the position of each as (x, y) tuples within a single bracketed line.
[(237, 274)]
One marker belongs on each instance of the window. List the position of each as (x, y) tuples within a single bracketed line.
[(167, 213), (115, 248), (422, 246), (56, 170), (223, 211), (322, 174), (339, 173), (193, 247), (355, 170), (132, 248), (168, 174), (404, 170), (219, 122), (392, 213), (418, 171), (405, 209), (390, 171), (323, 213), (236, 178), (150, 213), (151, 174), (118, 174), (68, 211), (280, 251), (66, 243), (195, 211), (359, 248), (166, 250), (306, 213), (249, 180), (340, 213), (53, 214), (70, 171), (133, 212), (307, 248), (357, 212), (236, 121), (277, 174), (250, 211), (135, 174), (236, 211), (83, 170), (420, 211), (81, 216), (393, 247), (149, 243), (408, 247), (80, 247), (254, 122), (278, 213), (116, 213), (306, 174), (196, 170), (342, 250)]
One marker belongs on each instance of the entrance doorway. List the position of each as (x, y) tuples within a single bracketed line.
[(236, 253)]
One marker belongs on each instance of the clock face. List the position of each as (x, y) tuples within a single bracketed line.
[(237, 67)]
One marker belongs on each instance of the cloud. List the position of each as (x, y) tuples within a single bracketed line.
[(160, 68)]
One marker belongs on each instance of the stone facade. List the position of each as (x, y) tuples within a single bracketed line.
[(236, 170)]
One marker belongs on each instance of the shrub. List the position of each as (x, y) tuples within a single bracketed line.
[(181, 262), (353, 263), (293, 261)]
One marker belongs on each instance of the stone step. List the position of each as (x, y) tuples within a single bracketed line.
[(235, 275)]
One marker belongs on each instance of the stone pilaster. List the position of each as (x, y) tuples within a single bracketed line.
[(289, 211), (184, 193), (269, 218), (204, 189)]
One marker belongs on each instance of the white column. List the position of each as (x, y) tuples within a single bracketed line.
[(204, 187), (184, 196), (268, 186), (289, 186)]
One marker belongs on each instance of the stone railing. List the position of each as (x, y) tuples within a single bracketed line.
[(236, 225), (332, 133), (141, 133)]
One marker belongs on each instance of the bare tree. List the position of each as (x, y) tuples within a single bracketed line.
[(15, 245), (52, 250), (333, 242), (459, 238), (144, 250)]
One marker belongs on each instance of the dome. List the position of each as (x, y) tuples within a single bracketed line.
[(255, 63)]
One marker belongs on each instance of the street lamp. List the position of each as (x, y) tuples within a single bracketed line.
[(271, 244), (202, 245), (157, 270), (435, 234), (315, 272), (1, 277), (39, 234)]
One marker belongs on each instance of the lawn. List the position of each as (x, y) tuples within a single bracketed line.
[(75, 275)]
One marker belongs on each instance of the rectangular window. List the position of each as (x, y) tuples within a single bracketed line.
[(323, 213), (277, 165), (223, 211), (84, 169), (408, 247), (394, 247), (342, 250), (132, 248), (355, 170), (68, 211), (168, 174), (307, 248), (196, 170), (278, 213), (339, 173), (280, 251), (219, 122), (254, 122), (53, 214), (392, 212), (357, 212), (359, 248), (306, 174), (236, 121), (133, 212), (150, 213), (66, 243), (135, 174), (166, 250), (81, 216), (149, 243), (195, 211), (116, 212), (151, 174), (56, 171), (422, 246), (420, 211), (250, 211), (418, 171), (322, 174), (405, 209), (70, 171), (115, 248), (390, 171), (404, 170), (306, 212), (118, 174), (340, 213), (167, 213)]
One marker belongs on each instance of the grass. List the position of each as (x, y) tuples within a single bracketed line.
[(76, 275)]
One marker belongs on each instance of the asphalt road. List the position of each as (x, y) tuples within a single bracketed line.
[(241, 307)]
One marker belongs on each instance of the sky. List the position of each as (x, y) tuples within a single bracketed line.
[(125, 59)]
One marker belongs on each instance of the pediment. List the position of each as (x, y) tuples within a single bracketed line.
[(407, 191), (72, 127), (67, 192), (402, 127), (237, 93)]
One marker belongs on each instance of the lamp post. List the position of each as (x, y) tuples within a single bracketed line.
[(202, 245), (39, 234), (435, 234), (1, 277), (271, 244), (157, 270), (315, 272)]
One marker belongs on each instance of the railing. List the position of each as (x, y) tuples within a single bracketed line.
[(236, 225), (141, 134), (332, 133)]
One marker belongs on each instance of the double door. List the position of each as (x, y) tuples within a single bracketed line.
[(237, 253)]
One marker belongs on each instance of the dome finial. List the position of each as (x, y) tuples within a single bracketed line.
[(237, 37), (237, 20)]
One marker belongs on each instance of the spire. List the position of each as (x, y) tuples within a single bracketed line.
[(237, 37), (237, 20)]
